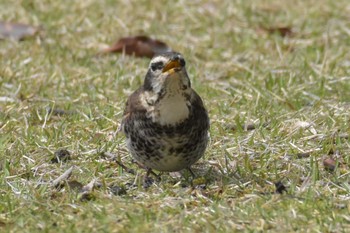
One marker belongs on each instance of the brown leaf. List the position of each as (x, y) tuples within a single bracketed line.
[(17, 31), (329, 164), (283, 31), (139, 46), (2, 223)]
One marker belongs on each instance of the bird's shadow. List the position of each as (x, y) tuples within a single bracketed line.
[(205, 174)]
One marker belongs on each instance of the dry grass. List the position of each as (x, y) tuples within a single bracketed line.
[(295, 90)]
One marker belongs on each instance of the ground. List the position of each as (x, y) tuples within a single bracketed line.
[(274, 76)]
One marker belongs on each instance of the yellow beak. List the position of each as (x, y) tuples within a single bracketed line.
[(171, 66)]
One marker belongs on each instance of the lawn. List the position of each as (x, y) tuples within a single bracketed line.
[(274, 76)]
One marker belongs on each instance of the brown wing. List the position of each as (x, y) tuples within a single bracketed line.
[(199, 110), (133, 106)]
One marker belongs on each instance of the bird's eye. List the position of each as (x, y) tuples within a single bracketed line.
[(157, 66), (182, 62)]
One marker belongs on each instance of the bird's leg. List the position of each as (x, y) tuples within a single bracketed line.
[(196, 181), (128, 170), (147, 180), (192, 173), (148, 170)]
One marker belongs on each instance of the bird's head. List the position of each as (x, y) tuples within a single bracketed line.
[(167, 74)]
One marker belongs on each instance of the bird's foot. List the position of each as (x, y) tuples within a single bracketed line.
[(147, 180), (196, 181), (192, 173)]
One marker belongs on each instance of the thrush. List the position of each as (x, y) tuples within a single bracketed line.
[(165, 122)]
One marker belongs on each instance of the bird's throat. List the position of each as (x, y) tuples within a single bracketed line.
[(170, 109)]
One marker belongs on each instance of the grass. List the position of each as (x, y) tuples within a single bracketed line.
[(295, 89)]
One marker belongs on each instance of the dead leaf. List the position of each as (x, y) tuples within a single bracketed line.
[(329, 164), (283, 31), (139, 46), (4, 221), (17, 31)]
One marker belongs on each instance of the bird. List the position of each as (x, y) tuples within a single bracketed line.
[(165, 122)]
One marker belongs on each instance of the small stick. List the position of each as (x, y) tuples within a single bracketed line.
[(86, 191), (89, 187), (62, 177), (114, 158)]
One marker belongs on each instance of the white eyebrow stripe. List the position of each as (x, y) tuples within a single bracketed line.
[(159, 59)]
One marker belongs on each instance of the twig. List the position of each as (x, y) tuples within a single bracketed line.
[(113, 157), (62, 177), (89, 187), (86, 191)]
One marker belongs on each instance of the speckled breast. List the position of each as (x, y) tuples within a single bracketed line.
[(167, 147)]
